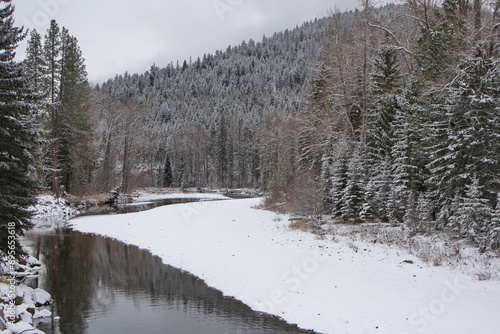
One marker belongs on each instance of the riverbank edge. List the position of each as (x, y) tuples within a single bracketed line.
[(348, 247), (21, 305)]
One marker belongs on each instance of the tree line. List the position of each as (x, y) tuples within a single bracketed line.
[(379, 114), (402, 122)]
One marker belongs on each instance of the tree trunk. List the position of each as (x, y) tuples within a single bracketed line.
[(107, 165), (55, 151), (477, 19), (125, 171)]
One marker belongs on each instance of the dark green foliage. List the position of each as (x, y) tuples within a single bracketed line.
[(168, 177), (387, 77), (17, 189), (441, 41), (57, 72), (472, 143)]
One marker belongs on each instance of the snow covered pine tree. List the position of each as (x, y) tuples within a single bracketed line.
[(16, 186)]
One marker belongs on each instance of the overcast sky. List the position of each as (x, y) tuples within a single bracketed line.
[(123, 35)]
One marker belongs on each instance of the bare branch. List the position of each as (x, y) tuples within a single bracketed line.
[(413, 17)]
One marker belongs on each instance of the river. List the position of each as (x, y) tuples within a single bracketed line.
[(102, 286)]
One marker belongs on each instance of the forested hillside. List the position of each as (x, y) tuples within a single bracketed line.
[(203, 116), (381, 114)]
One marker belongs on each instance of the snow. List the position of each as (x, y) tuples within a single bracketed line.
[(50, 206), (329, 286), (31, 300), (148, 196)]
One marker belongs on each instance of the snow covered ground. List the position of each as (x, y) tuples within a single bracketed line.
[(49, 206), (150, 196), (320, 284), (21, 305)]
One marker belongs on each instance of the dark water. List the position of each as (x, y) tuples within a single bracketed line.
[(101, 286), (136, 206)]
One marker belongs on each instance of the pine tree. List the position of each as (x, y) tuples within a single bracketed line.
[(34, 64), (74, 154), (442, 38), (223, 156), (339, 178), (167, 173), (493, 236), (353, 195), (472, 213), (52, 52), (388, 75), (367, 210), (471, 146), (17, 189), (35, 68)]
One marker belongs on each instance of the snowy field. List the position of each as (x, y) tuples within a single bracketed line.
[(320, 284)]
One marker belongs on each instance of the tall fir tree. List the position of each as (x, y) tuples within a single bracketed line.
[(493, 234), (52, 54), (472, 142), (353, 194), (35, 69), (17, 188), (74, 155), (442, 39), (34, 64), (472, 214)]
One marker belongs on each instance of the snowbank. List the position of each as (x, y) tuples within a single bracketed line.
[(149, 196), (329, 286), (49, 206), (20, 305)]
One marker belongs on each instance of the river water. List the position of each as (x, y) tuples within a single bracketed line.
[(102, 286)]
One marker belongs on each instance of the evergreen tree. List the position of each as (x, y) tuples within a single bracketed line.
[(471, 145), (167, 173), (367, 210), (442, 39), (353, 194), (339, 177), (34, 64), (387, 77), (223, 151), (493, 234), (17, 189), (74, 154), (52, 53), (472, 214), (35, 69)]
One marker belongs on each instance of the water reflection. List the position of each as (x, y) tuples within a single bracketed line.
[(136, 206), (103, 286)]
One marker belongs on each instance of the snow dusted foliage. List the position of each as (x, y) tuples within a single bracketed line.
[(472, 213), (205, 113), (473, 132), (431, 135), (493, 236), (466, 162), (354, 192), (16, 160)]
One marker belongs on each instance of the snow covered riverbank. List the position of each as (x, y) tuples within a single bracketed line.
[(21, 305), (320, 284)]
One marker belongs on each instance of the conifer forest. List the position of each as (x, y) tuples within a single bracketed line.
[(382, 114)]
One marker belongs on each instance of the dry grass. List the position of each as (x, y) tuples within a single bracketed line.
[(437, 249), (82, 202)]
